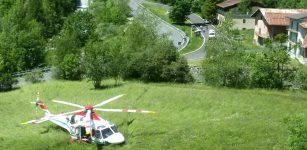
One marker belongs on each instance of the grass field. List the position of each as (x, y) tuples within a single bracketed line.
[(247, 40), (194, 42), (188, 116)]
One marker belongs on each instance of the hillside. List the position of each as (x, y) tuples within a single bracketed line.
[(188, 116)]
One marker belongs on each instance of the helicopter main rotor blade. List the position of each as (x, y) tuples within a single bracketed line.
[(124, 110), (68, 103), (72, 112), (109, 100)]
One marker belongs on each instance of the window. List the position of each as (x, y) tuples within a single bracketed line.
[(98, 134), (114, 129), (294, 25), (106, 132), (293, 37), (244, 21)]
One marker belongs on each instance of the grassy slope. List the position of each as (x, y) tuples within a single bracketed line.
[(194, 42), (188, 116)]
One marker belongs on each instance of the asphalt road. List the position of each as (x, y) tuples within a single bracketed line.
[(200, 52), (164, 28), (177, 36)]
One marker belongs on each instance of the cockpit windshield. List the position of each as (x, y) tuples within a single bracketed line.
[(106, 132), (114, 129)]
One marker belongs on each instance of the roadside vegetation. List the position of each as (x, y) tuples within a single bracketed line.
[(187, 116), (194, 41)]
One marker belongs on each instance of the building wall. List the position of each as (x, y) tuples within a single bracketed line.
[(220, 18), (296, 51), (261, 29), (240, 24)]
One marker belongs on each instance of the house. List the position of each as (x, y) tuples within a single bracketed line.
[(297, 33), (241, 20), (270, 22)]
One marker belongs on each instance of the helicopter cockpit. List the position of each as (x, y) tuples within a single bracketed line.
[(109, 134), (104, 133)]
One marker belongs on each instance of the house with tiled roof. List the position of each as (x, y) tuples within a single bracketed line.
[(241, 20), (270, 22), (297, 33)]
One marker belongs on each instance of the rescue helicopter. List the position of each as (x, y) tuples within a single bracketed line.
[(84, 124)]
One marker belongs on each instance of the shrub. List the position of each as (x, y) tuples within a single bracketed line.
[(6, 81), (35, 76)]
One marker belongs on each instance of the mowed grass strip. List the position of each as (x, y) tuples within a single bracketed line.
[(188, 116)]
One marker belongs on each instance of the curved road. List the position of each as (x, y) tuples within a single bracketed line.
[(177, 36), (198, 53)]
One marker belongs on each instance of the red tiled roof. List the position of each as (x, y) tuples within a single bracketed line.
[(228, 3), (304, 44), (304, 25), (277, 18)]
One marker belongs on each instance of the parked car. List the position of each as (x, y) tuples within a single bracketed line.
[(211, 33)]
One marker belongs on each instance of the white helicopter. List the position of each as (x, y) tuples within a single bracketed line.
[(84, 124)]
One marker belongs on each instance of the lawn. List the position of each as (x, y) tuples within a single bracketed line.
[(194, 42), (246, 36), (188, 116)]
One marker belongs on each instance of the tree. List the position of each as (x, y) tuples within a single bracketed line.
[(77, 29), (110, 11), (208, 10), (150, 57), (96, 62), (180, 10), (245, 6), (196, 6)]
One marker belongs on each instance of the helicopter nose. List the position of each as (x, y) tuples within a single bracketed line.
[(116, 138)]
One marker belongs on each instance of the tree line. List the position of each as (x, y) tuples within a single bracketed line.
[(96, 44), (25, 27)]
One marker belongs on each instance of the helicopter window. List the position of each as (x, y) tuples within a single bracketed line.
[(98, 134), (106, 132), (72, 119), (114, 129)]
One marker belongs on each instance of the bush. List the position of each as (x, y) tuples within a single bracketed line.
[(35, 76), (300, 79), (7, 81), (226, 69), (297, 129)]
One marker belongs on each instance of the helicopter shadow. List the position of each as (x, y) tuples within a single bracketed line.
[(49, 128), (103, 87)]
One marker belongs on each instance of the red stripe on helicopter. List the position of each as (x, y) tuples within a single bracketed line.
[(95, 117), (125, 110), (42, 105), (81, 113), (138, 110)]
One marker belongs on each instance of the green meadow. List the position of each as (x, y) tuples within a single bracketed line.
[(188, 116)]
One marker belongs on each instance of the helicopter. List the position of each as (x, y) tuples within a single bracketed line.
[(83, 124)]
